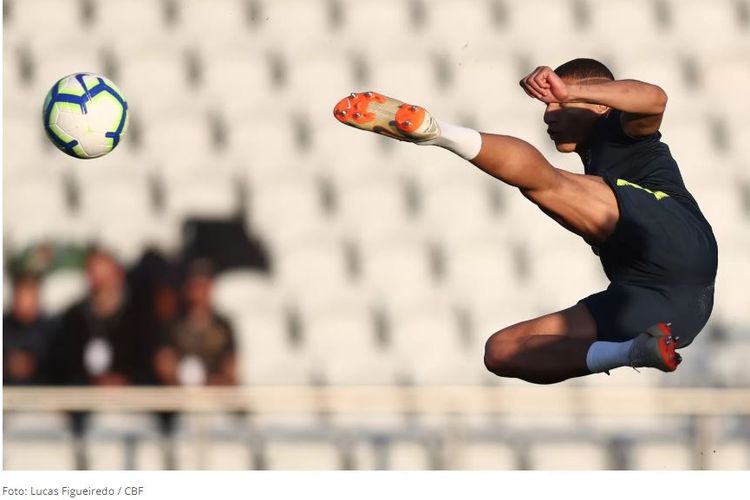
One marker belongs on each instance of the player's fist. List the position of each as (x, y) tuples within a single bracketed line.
[(545, 85)]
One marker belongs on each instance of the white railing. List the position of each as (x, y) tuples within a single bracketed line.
[(365, 399)]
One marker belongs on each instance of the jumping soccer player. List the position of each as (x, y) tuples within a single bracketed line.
[(631, 206)]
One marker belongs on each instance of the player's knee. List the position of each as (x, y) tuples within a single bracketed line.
[(500, 352)]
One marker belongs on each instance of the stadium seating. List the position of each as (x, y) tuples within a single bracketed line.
[(302, 455), (409, 455), (37, 455), (391, 264), (661, 456), (483, 456), (729, 456), (574, 455), (61, 289)]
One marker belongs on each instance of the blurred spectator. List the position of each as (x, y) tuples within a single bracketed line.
[(102, 340), (200, 349), (27, 335), (155, 296)]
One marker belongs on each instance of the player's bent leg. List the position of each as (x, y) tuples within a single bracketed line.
[(563, 345), (544, 350)]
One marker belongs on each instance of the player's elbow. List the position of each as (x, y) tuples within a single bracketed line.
[(660, 99)]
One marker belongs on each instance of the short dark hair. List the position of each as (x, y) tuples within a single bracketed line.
[(583, 68)]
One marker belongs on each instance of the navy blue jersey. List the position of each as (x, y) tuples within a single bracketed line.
[(662, 257), (645, 161), (662, 236)]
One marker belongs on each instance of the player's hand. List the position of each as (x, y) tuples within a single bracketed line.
[(545, 85)]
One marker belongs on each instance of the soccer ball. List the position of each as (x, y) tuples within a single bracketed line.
[(85, 115)]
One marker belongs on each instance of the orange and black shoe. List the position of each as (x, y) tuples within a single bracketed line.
[(387, 116), (655, 348)]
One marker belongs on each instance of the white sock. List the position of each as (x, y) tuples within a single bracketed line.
[(604, 356), (465, 142)]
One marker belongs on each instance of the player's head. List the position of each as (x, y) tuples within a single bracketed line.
[(570, 124)]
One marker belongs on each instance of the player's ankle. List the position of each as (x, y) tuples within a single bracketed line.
[(604, 356), (465, 142)]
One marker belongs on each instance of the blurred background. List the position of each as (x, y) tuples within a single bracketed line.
[(239, 236)]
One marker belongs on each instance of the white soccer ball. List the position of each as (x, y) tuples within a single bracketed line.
[(85, 115)]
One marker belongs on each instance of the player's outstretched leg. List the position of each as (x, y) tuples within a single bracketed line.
[(511, 160)]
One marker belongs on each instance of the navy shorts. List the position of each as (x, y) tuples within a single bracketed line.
[(661, 261)]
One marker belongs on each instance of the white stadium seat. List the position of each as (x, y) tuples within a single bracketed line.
[(228, 21), (561, 276), (302, 455), (278, 20), (38, 455), (343, 346), (408, 455), (429, 346), (731, 301), (611, 21), (245, 69), (116, 22), (372, 207), (718, 24), (556, 19), (45, 23), (320, 261), (149, 455), (396, 269), (569, 456), (484, 83), (50, 66), (729, 455), (52, 424), (661, 456), (723, 74), (107, 454), (266, 355), (407, 77), (454, 211), (213, 455), (456, 25), (482, 271), (35, 209), (201, 192), (729, 364), (668, 73), (362, 16), (61, 289), (143, 73), (483, 456), (165, 137), (237, 291), (228, 455)]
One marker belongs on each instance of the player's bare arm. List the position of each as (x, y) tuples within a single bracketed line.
[(642, 103)]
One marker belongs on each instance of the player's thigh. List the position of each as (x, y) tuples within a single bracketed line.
[(573, 322), (584, 204)]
